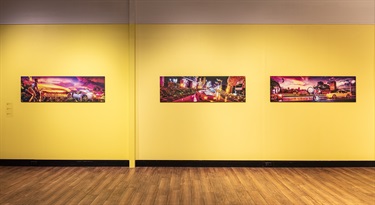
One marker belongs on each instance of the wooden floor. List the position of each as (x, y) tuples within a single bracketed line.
[(156, 185)]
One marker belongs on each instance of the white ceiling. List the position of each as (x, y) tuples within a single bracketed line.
[(63, 11), (257, 11), (187, 11)]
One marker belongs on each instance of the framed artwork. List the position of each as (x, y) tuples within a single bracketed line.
[(313, 88), (62, 89), (203, 89)]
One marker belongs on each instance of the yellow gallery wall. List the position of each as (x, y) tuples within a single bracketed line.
[(65, 130), (257, 129)]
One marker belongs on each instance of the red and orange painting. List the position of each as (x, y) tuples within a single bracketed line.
[(202, 89), (62, 89), (313, 89)]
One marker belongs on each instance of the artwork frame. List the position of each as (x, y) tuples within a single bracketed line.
[(202, 89), (69, 89), (329, 89)]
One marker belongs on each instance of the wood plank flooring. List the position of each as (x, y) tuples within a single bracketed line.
[(190, 186)]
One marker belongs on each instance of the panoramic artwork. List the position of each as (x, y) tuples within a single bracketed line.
[(62, 89), (202, 89), (313, 89)]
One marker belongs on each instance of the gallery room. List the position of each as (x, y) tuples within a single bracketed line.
[(187, 102)]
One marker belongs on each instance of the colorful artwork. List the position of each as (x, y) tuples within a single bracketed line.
[(202, 89), (313, 89), (62, 89)]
